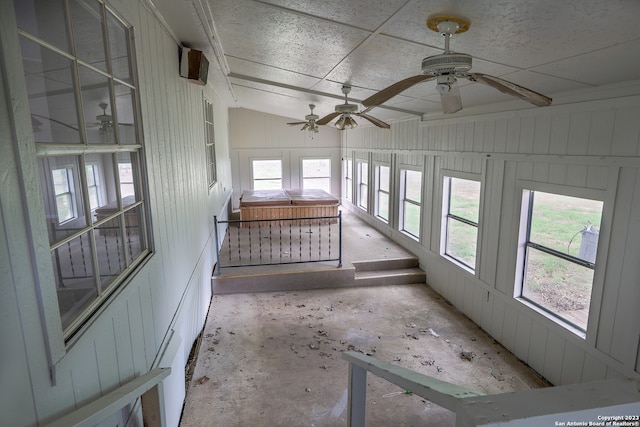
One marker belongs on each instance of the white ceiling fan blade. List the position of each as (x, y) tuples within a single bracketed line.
[(450, 99), (509, 88)]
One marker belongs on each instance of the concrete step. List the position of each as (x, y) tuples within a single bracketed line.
[(399, 276), (386, 264), (230, 283)]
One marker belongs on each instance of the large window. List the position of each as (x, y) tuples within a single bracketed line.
[(461, 207), (316, 173), (348, 179), (363, 184), (410, 202), (210, 143), (84, 107), (560, 247), (267, 174), (382, 192)]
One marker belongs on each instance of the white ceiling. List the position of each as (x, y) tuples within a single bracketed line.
[(277, 56)]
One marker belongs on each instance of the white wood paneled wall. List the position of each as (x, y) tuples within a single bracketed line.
[(256, 135), (592, 145), (165, 304)]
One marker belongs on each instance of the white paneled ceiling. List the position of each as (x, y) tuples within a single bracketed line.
[(278, 56)]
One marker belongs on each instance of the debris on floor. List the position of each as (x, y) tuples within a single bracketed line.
[(271, 345), (467, 355)]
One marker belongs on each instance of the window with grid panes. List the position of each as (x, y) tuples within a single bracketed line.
[(80, 80)]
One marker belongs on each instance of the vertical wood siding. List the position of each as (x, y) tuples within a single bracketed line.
[(591, 145)]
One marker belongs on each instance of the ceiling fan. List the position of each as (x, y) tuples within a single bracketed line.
[(447, 67), (346, 110), (310, 123), (104, 120)]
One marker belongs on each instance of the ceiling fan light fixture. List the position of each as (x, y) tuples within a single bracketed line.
[(346, 122)]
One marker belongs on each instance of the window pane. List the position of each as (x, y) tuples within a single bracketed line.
[(413, 185), (411, 219), (461, 242), (110, 251), (561, 286), (383, 206), (363, 192), (118, 49), (315, 168), (86, 21), (383, 177), (364, 171), (127, 174), (96, 106), (135, 242), (465, 199), (75, 278), (54, 114), (319, 183), (267, 184), (61, 196), (45, 19), (265, 169), (125, 114), (567, 224)]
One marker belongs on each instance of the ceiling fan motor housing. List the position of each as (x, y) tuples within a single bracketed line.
[(446, 63), (346, 108)]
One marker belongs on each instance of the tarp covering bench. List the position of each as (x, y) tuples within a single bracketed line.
[(295, 203)]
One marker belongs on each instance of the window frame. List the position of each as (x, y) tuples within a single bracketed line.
[(447, 216), (377, 190), (606, 197), (362, 188), (403, 200), (254, 179)]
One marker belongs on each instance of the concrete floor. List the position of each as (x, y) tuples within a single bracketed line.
[(274, 358)]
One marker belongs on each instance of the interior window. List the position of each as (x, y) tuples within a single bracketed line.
[(210, 143), (81, 89), (462, 207), (561, 244)]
